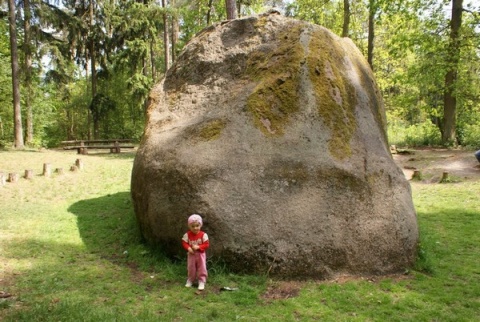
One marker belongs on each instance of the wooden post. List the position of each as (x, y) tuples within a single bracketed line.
[(28, 174), (79, 164), (445, 177), (59, 171), (83, 149), (47, 169), (117, 147), (3, 179), (12, 177), (417, 175)]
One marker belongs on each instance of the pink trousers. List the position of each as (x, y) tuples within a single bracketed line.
[(197, 267)]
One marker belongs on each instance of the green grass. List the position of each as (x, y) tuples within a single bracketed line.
[(70, 250)]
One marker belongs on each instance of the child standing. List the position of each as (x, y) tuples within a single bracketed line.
[(196, 243)]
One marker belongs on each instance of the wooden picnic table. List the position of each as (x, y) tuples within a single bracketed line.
[(82, 146)]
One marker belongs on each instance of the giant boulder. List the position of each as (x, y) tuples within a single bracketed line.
[(273, 130)]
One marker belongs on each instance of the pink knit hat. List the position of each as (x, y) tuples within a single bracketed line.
[(195, 218)]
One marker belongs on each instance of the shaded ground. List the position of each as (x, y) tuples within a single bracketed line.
[(432, 163)]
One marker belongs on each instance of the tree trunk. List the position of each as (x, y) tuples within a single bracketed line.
[(346, 18), (93, 69), (239, 9), (175, 32), (17, 113), (450, 100), (231, 8), (28, 71), (371, 31), (70, 125), (209, 12), (89, 113), (152, 62), (165, 36)]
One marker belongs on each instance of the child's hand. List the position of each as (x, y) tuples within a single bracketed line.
[(190, 250), (196, 247)]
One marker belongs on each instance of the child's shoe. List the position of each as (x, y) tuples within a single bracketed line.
[(188, 284), (201, 286)]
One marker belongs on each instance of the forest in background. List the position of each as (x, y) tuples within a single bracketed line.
[(83, 69)]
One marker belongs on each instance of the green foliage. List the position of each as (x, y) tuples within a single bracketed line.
[(423, 134), (6, 106), (420, 134), (100, 106), (415, 85), (194, 16), (128, 94), (470, 134), (327, 13), (424, 263)]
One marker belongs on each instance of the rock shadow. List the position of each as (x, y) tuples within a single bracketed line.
[(107, 224)]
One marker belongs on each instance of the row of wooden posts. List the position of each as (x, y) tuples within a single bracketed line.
[(47, 172), (417, 175)]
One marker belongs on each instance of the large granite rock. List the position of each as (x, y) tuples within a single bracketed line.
[(274, 130)]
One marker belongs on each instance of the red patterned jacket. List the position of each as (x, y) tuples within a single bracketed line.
[(200, 239)]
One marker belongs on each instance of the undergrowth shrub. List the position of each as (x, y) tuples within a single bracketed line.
[(421, 134), (471, 136)]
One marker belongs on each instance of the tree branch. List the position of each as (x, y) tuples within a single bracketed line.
[(475, 13)]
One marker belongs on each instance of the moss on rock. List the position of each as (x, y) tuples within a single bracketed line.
[(206, 131), (276, 71), (335, 96), (212, 129)]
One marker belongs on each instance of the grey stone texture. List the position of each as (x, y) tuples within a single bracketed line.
[(273, 129)]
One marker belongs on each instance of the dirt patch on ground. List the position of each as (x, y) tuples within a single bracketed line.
[(432, 163), (281, 290)]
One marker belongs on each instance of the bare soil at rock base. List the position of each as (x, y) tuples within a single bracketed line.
[(460, 164)]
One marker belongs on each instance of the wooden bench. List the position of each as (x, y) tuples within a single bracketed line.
[(82, 146)]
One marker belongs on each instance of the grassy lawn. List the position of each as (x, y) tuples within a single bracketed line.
[(70, 250)]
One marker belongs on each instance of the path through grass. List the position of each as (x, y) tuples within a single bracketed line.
[(70, 251)]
